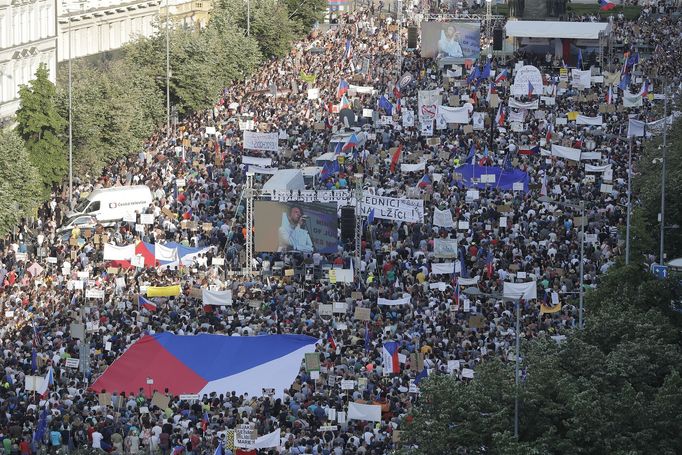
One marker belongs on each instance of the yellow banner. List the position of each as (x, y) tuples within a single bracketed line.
[(163, 291), (544, 309), (310, 78)]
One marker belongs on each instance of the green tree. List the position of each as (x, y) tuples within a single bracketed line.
[(270, 23), (305, 13), (20, 183), (40, 125), (647, 190), (203, 62), (114, 110), (611, 388)]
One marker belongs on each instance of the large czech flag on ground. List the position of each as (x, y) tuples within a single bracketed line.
[(202, 364)]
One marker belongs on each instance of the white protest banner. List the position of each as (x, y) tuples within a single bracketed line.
[(441, 124), (217, 298), (636, 128), (263, 170), (440, 285), (313, 93), (268, 440), (517, 116), (514, 104), (147, 218), (368, 412), (405, 300), (363, 90), (118, 253), (442, 218), (591, 168), (590, 156), (325, 309), (72, 363), (257, 161), (632, 99), (408, 118), (468, 281), (478, 120), (548, 100), (426, 128), (445, 268), (592, 121), (243, 436), (526, 291), (427, 104), (581, 78), (389, 208), (339, 307), (347, 384), (94, 294), (261, 141), (565, 152), (137, 261), (456, 114), (367, 113), (344, 275), (524, 75), (407, 167), (445, 248)]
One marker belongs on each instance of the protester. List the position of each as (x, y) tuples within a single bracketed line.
[(452, 322)]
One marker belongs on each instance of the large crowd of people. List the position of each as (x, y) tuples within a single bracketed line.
[(448, 327)]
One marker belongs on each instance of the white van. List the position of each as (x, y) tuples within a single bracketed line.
[(109, 204)]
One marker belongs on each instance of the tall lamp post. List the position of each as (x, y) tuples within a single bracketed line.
[(663, 171), (168, 113)]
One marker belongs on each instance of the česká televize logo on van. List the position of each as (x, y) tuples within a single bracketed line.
[(113, 205)]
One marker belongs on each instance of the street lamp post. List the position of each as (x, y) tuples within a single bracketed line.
[(517, 368), (583, 220), (629, 212), (70, 121), (665, 146), (167, 71)]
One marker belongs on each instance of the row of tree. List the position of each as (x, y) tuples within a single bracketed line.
[(614, 387), (118, 104)]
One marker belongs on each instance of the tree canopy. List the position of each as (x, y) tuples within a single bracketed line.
[(41, 126), (20, 183), (614, 387)]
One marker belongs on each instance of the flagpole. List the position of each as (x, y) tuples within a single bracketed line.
[(629, 213)]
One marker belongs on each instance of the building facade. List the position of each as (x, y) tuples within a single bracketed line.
[(97, 26), (52, 31), (28, 37)]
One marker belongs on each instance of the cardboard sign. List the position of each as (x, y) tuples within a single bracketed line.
[(325, 309), (312, 361), (339, 307), (362, 314), (244, 436), (347, 384), (161, 401), (104, 399), (355, 295)]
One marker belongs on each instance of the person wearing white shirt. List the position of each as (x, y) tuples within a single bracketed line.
[(448, 46)]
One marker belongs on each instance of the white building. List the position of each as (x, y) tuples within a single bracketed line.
[(103, 25), (98, 26), (38, 31), (28, 38)]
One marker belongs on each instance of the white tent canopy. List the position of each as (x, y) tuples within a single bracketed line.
[(551, 29), (285, 179)]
